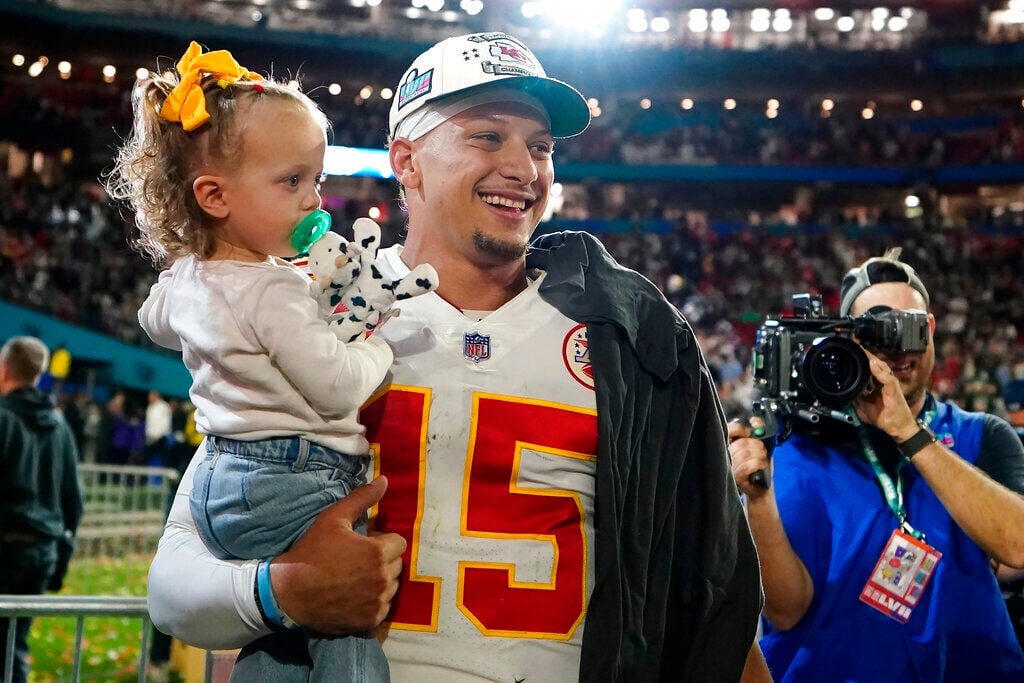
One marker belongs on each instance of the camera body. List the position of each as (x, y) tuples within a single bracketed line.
[(810, 366)]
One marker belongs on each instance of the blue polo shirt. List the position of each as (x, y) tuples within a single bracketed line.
[(837, 520)]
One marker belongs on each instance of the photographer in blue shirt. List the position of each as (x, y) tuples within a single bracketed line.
[(881, 535)]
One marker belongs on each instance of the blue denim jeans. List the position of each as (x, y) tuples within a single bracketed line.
[(253, 499)]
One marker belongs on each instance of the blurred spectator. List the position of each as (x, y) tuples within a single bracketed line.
[(40, 499), (157, 429), (1013, 399)]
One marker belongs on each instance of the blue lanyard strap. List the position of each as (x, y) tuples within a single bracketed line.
[(893, 491)]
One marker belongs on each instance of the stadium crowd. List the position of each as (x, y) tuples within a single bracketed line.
[(63, 251), (87, 117), (63, 248)]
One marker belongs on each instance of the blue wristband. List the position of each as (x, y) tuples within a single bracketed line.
[(267, 602)]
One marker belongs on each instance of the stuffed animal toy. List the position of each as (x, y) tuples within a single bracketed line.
[(332, 271), (350, 285)]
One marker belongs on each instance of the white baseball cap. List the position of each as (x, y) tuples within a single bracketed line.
[(464, 65)]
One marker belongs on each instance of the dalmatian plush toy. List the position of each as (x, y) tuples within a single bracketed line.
[(347, 273)]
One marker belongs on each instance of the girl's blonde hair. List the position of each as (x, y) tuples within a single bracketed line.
[(156, 165)]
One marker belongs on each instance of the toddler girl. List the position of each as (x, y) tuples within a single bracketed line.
[(220, 168)]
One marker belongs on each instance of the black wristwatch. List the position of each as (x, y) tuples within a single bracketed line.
[(924, 437)]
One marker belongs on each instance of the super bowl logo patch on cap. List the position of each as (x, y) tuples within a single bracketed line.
[(576, 355), (416, 85), (476, 347)]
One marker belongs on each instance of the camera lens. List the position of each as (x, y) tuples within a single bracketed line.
[(835, 370)]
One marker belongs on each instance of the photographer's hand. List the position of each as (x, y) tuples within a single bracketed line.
[(788, 589), (749, 459), (885, 406)]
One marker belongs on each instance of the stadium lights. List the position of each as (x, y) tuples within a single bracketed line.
[(867, 113), (773, 103), (719, 20), (386, 94), (686, 103), (357, 3), (636, 20), (897, 24), (912, 201), (845, 24), (334, 88), (366, 92), (760, 20), (531, 9), (729, 104), (373, 212), (64, 69), (373, 3), (302, 4), (659, 24), (771, 113), (824, 14), (141, 74), (697, 20), (588, 15), (782, 22), (828, 104), (35, 69), (916, 105), (645, 103), (472, 7), (18, 60), (431, 5)]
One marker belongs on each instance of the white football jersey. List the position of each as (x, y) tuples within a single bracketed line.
[(487, 432)]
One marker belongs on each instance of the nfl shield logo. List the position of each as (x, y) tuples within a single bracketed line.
[(476, 347)]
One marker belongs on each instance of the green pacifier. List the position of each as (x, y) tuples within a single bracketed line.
[(309, 230)]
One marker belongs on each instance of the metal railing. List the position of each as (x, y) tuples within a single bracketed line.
[(125, 508), (13, 607)]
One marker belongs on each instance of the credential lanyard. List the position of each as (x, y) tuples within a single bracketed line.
[(893, 491)]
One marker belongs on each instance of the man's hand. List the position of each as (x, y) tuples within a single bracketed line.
[(749, 455), (334, 580), (885, 406)]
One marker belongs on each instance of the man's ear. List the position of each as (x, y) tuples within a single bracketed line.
[(403, 163), (209, 194)]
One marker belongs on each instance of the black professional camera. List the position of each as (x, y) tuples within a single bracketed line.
[(809, 366)]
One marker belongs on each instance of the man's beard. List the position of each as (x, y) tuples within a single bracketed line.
[(503, 250)]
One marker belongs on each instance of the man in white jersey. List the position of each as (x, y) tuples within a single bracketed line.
[(559, 499)]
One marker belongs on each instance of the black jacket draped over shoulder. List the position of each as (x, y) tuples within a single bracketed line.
[(677, 589)]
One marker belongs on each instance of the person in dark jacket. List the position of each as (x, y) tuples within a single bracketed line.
[(40, 498)]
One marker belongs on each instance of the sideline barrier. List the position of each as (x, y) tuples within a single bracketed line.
[(125, 508), (13, 607), (196, 666)]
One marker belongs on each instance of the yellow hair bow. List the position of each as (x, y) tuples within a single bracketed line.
[(187, 102)]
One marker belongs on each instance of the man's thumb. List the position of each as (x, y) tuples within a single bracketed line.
[(352, 506)]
